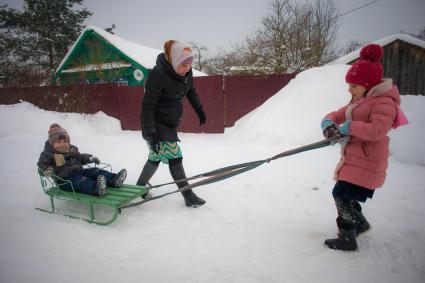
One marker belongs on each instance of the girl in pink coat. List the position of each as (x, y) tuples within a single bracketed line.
[(362, 127)]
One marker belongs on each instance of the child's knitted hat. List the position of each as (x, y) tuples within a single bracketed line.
[(367, 71), (56, 132)]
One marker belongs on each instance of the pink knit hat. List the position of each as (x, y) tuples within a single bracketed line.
[(367, 71)]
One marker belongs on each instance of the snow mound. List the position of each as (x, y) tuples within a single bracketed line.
[(407, 142), (293, 115), (26, 119)]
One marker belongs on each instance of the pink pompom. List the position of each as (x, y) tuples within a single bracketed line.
[(372, 52)]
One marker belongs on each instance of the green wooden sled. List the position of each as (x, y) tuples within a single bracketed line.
[(114, 198)]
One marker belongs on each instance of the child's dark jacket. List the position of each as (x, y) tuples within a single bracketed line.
[(63, 164)]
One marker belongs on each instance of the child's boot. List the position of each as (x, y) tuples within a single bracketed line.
[(346, 241), (119, 178), (360, 222), (100, 188)]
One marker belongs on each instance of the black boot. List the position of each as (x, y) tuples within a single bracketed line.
[(360, 222), (177, 172), (191, 199), (346, 241), (148, 170)]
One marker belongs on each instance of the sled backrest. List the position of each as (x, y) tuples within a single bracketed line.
[(50, 186)]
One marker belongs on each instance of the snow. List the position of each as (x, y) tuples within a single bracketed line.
[(96, 67), (383, 41), (145, 56), (266, 225)]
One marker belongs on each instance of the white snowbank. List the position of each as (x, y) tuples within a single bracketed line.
[(266, 225), (27, 119), (407, 142), (293, 115)]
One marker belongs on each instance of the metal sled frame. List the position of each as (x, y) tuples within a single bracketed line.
[(115, 198)]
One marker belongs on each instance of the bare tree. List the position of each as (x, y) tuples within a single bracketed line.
[(224, 61), (421, 34), (351, 46), (199, 52), (293, 36)]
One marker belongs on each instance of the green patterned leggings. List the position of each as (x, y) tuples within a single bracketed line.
[(167, 150)]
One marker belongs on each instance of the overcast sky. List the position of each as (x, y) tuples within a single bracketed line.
[(219, 23)]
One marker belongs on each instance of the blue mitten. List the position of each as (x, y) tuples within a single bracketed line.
[(326, 123), (329, 128), (345, 128)]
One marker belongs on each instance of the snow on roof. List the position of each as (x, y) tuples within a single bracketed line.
[(145, 56), (383, 41)]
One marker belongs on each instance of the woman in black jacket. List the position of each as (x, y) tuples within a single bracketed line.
[(168, 82)]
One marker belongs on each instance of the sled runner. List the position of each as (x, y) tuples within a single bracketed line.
[(113, 200)]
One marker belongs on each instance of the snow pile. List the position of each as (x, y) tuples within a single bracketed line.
[(27, 119), (407, 142), (266, 225), (293, 115)]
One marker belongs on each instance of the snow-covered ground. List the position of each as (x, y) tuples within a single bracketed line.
[(266, 225)]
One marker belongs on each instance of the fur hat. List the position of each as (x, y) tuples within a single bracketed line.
[(367, 71), (56, 132), (178, 53)]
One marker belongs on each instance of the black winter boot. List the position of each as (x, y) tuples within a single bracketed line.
[(191, 199), (177, 172), (148, 171), (346, 241), (360, 222)]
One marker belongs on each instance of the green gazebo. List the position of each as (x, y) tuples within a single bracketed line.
[(100, 57)]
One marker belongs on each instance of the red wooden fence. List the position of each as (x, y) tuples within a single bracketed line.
[(245, 93), (225, 100), (210, 93)]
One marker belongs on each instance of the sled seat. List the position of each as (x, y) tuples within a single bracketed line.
[(113, 199)]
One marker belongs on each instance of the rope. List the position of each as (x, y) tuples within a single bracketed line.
[(233, 170)]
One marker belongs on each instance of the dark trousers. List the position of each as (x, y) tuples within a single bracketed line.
[(347, 197), (84, 181), (349, 191)]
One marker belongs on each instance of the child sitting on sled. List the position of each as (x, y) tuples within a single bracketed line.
[(63, 159)]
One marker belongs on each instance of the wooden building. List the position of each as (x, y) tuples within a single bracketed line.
[(403, 61), (100, 57)]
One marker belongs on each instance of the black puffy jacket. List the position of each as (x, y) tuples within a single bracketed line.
[(74, 160), (162, 105)]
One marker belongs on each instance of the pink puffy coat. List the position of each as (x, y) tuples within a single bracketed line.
[(364, 158)]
